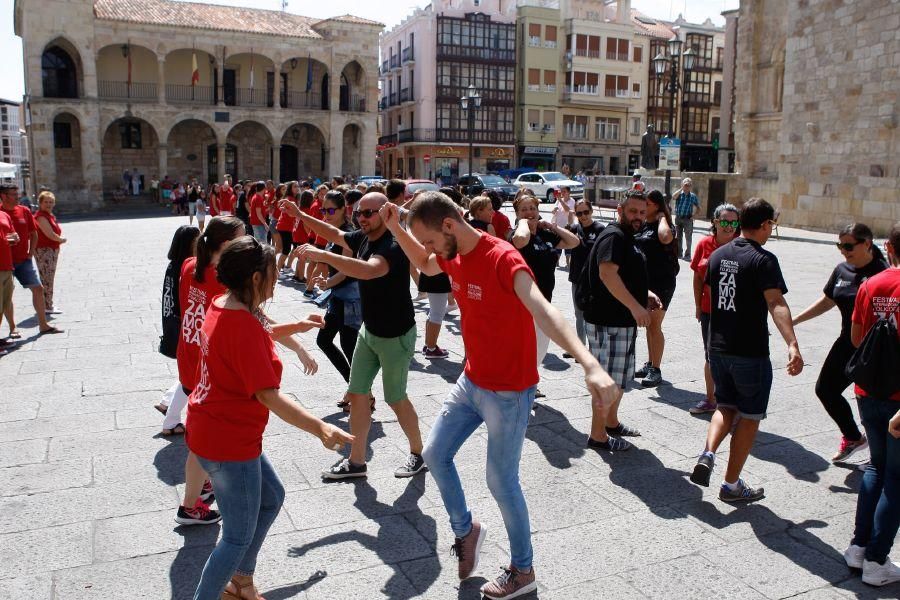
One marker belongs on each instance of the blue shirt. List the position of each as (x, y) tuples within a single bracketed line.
[(684, 204)]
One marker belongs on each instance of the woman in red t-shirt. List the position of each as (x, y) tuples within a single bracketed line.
[(284, 225), (46, 255), (213, 200), (240, 376), (726, 226), (301, 235)]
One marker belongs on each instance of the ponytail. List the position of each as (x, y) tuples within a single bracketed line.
[(219, 231)]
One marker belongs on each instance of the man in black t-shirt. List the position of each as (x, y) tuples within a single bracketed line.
[(746, 283), (619, 304), (387, 338)]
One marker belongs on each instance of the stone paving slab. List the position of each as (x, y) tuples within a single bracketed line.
[(90, 490)]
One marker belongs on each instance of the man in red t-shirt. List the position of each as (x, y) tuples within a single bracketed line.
[(499, 301), (8, 238), (878, 505), (23, 265), (258, 215)]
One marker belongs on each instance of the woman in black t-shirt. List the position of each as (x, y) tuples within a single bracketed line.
[(587, 230), (480, 213), (657, 240), (863, 259), (536, 241)]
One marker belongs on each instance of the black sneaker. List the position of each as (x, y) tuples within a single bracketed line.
[(414, 464), (702, 470), (622, 430), (611, 444), (743, 493), (539, 394), (201, 514), (653, 378), (642, 372), (344, 470)]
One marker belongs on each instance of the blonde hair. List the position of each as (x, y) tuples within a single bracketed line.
[(47, 195), (479, 203)]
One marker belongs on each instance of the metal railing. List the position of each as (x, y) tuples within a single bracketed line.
[(136, 90), (406, 95), (408, 55), (356, 104), (416, 135), (191, 94), (302, 100), (391, 138), (252, 97), (617, 56), (395, 62)]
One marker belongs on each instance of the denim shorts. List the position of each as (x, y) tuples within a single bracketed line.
[(742, 383), (26, 274)]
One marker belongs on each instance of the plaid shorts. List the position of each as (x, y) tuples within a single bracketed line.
[(613, 347)]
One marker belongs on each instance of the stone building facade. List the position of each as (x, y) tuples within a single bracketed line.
[(13, 144), (192, 91), (817, 105)]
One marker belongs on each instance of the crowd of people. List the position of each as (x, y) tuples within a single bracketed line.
[(353, 251)]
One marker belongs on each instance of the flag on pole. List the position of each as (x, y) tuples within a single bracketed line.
[(195, 72), (308, 73), (251, 68), (128, 56)]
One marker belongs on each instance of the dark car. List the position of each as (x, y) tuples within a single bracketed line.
[(475, 183)]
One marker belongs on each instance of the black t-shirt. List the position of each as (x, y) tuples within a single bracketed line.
[(662, 264), (171, 311), (241, 211), (587, 235), (387, 307), (539, 255), (338, 249), (479, 224), (193, 195), (617, 246), (739, 273), (843, 285), (434, 284)]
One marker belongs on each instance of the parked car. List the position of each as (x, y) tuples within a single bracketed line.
[(370, 179), (546, 185), (414, 185), (475, 183)]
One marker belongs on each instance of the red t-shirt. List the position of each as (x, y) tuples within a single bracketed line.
[(285, 221), (6, 227), (315, 210), (194, 298), (215, 202), (226, 202), (225, 421), (43, 240), (699, 264), (878, 296), (23, 223), (493, 317), (257, 202), (501, 224)]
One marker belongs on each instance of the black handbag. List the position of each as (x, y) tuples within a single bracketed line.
[(875, 365)]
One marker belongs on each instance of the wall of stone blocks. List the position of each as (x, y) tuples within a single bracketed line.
[(254, 151), (117, 159), (187, 151)]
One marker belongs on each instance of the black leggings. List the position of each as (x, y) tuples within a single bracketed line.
[(831, 384), (287, 241), (334, 324)]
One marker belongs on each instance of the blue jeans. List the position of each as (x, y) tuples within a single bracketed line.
[(259, 232), (878, 504), (249, 494), (506, 416)]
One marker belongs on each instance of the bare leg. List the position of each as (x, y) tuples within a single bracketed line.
[(409, 422), (710, 386), (10, 317), (656, 340), (194, 476), (360, 421), (37, 299), (432, 331), (599, 421), (741, 442), (719, 426)]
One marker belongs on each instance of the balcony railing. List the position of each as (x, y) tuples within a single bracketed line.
[(590, 90), (549, 43), (416, 135), (123, 90), (383, 103), (613, 93), (406, 95), (550, 87), (617, 56), (395, 62), (446, 51), (385, 67), (534, 87), (587, 53), (391, 138), (354, 104), (479, 136), (302, 100), (534, 41), (408, 55), (393, 99), (189, 94), (249, 97)]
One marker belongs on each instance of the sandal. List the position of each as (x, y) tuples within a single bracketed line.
[(162, 408), (623, 430), (345, 405), (177, 430), (49, 330), (15, 334), (226, 595)]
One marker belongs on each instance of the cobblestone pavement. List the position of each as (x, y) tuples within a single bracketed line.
[(89, 488)]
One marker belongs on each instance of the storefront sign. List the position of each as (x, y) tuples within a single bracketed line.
[(447, 151), (498, 152), (539, 150)]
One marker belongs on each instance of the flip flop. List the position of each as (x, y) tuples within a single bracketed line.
[(162, 408), (49, 331), (15, 335), (177, 430)]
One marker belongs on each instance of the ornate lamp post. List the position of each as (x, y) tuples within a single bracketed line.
[(673, 59), (470, 103)]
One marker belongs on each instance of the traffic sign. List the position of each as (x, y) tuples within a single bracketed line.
[(670, 154), (427, 158)]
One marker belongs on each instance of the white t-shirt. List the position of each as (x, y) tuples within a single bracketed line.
[(561, 217)]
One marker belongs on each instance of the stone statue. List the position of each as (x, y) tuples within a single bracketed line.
[(649, 149)]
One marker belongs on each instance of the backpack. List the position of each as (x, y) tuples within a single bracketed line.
[(587, 281), (873, 366)]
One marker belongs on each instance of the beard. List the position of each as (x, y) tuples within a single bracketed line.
[(451, 248)]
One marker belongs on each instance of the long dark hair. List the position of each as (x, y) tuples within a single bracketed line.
[(656, 197), (306, 199), (219, 231), (862, 233), (239, 261), (182, 246)]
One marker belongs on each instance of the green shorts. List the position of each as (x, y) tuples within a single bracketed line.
[(391, 355)]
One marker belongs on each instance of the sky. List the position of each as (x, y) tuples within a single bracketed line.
[(388, 12)]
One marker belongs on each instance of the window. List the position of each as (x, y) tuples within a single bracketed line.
[(6, 149), (702, 45), (638, 54), (580, 82), (534, 80), (549, 81), (550, 120), (534, 119), (607, 129), (635, 126), (62, 134), (575, 127), (550, 36), (717, 93), (720, 58), (130, 134), (534, 34), (616, 86), (58, 74), (636, 89), (616, 49)]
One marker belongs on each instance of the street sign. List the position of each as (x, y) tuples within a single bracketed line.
[(427, 158), (670, 154)]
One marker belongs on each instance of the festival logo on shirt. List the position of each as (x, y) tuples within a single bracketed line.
[(194, 315), (887, 307), (727, 285), (474, 292), (200, 392), (168, 307)]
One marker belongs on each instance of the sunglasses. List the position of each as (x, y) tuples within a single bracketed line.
[(848, 246), (727, 223), (366, 212), (581, 213), (331, 211)]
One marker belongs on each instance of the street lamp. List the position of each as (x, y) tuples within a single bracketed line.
[(671, 61), (470, 103)]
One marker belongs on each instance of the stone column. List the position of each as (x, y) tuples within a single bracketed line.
[(335, 145), (220, 163), (161, 79), (277, 92), (275, 153), (162, 156), (727, 107), (368, 141)]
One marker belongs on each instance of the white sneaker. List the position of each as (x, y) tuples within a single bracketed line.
[(875, 574), (854, 556)]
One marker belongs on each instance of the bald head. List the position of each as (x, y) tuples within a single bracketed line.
[(373, 200)]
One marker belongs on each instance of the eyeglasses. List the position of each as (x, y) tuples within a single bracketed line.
[(581, 213), (727, 223), (331, 211), (848, 246), (366, 212)]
